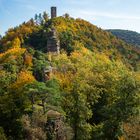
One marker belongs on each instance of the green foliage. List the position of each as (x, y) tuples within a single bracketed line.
[(54, 97), (130, 37), (11, 109), (91, 84), (22, 32), (34, 126), (35, 33), (40, 63), (131, 128), (99, 94), (2, 135)]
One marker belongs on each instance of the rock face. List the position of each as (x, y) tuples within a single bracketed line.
[(55, 126), (53, 43), (1, 67)]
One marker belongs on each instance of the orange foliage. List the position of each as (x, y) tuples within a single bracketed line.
[(13, 51), (65, 79), (28, 60), (24, 77), (121, 138)]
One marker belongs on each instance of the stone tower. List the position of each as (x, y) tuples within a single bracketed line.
[(53, 43), (53, 12)]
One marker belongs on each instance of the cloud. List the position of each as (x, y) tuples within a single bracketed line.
[(29, 7), (98, 14), (25, 4), (117, 16), (109, 20), (96, 2)]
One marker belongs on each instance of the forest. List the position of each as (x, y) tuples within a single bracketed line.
[(90, 91), (130, 37)]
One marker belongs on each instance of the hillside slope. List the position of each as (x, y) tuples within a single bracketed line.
[(89, 91), (130, 37), (70, 32), (95, 39)]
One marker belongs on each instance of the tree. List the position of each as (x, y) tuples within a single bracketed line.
[(118, 99), (40, 64), (2, 134), (44, 95), (74, 87), (16, 43), (95, 89), (45, 17)]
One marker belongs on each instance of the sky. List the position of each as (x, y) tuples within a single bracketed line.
[(106, 14)]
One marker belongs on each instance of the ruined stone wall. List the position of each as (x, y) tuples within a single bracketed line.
[(53, 43)]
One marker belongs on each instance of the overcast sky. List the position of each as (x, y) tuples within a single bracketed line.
[(107, 14)]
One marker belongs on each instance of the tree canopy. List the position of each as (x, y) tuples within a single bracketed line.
[(91, 90)]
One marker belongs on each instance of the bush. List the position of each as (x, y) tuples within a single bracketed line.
[(2, 134)]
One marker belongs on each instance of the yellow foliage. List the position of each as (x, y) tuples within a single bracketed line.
[(121, 138), (28, 60), (13, 51), (16, 43), (137, 76), (103, 58), (76, 55), (61, 25), (24, 77), (2, 74)]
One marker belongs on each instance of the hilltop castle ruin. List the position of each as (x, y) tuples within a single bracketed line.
[(53, 43)]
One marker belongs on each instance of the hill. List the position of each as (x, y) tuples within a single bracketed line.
[(130, 37), (88, 91), (71, 31)]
